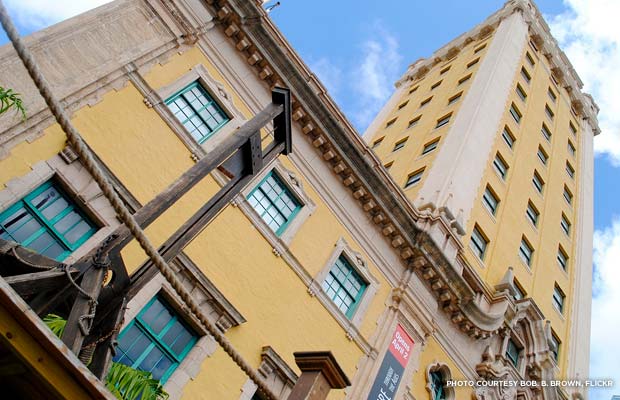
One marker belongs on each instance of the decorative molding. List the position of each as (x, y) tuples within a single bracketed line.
[(357, 261), (295, 185), (388, 208), (446, 376)]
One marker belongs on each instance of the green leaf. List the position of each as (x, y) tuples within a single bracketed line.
[(10, 99), (127, 383), (56, 323)]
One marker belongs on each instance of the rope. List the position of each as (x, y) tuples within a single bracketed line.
[(74, 138)]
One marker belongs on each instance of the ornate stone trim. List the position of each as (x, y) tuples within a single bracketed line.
[(401, 232), (357, 261), (279, 376), (446, 375)]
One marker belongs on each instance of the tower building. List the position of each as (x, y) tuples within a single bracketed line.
[(494, 131)]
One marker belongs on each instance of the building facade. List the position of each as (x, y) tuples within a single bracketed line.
[(413, 261)]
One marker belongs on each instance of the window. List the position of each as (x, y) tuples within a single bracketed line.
[(532, 213), (521, 92), (526, 251), (437, 386), (46, 221), (562, 258), (197, 111), (565, 224), (478, 242), (414, 178), (443, 121), (571, 148), (508, 137), (549, 113), (414, 121), (516, 114), (472, 63), (554, 78), (464, 79), (558, 298), (426, 101), (490, 200), (573, 130), (390, 122), (402, 105), (430, 146), (413, 89), (529, 58), (500, 166), (388, 165), (444, 70), (519, 292), (568, 196), (552, 95), (526, 75), (538, 182), (157, 340), (546, 132), (555, 346), (377, 142), (513, 352), (436, 85), (400, 144), (542, 155), (533, 45), (480, 48), (274, 202), (344, 286), (454, 98), (570, 170)]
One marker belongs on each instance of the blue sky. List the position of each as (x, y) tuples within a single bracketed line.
[(358, 48)]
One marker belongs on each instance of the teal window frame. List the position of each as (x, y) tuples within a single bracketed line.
[(437, 389), (340, 281), (210, 106), (47, 223), (284, 190), (156, 339)]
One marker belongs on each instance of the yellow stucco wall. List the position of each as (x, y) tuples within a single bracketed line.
[(146, 156)]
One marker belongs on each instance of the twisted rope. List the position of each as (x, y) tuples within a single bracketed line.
[(74, 138)]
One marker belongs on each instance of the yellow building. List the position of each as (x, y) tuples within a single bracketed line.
[(323, 248)]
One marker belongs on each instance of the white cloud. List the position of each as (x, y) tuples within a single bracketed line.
[(605, 354), (38, 14), (373, 79), (328, 73), (589, 33)]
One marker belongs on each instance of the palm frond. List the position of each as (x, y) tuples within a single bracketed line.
[(56, 323), (127, 383), (10, 99)]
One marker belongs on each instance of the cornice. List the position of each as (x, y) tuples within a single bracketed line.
[(561, 67), (472, 309)]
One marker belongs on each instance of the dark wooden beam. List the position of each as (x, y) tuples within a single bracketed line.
[(27, 285), (106, 334)]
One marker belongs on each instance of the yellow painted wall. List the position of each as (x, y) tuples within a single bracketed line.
[(146, 156)]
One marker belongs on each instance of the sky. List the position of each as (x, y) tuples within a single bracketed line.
[(359, 48)]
